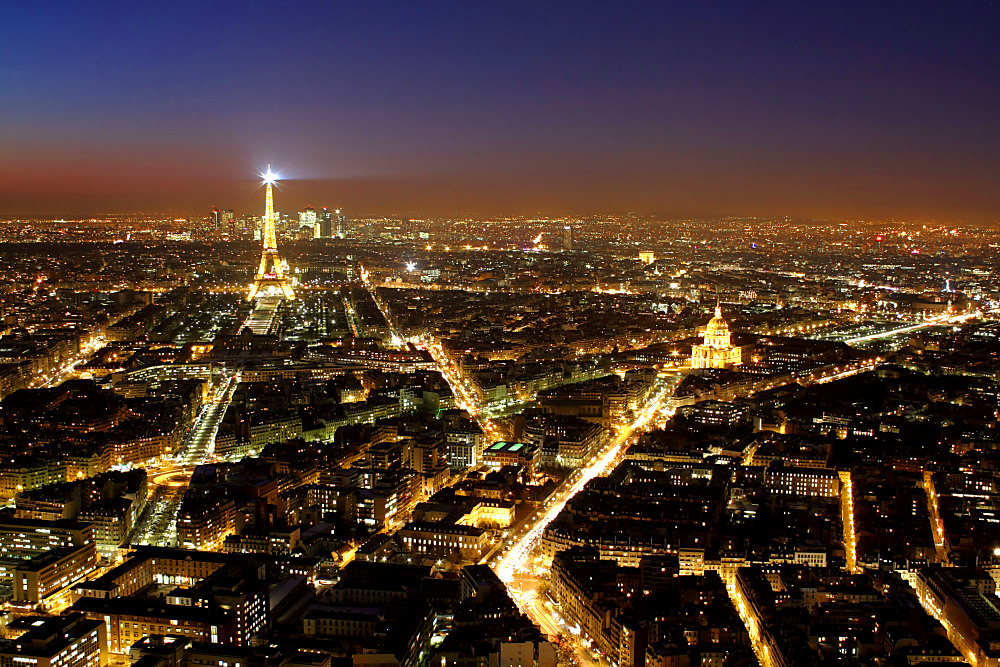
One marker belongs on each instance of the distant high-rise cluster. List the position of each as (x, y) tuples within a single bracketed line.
[(322, 224), (222, 219)]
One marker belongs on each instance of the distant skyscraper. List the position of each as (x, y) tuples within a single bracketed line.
[(568, 237), (325, 222), (222, 220), (307, 220), (330, 224), (341, 225)]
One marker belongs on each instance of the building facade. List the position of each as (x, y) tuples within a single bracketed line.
[(717, 350)]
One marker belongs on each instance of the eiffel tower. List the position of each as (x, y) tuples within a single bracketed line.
[(271, 279)]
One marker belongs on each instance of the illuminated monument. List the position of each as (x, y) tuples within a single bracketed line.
[(717, 351), (271, 278)]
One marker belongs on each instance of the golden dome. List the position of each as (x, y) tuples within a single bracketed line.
[(717, 326), (717, 350)]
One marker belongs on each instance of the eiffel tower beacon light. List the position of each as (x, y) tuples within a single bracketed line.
[(271, 278)]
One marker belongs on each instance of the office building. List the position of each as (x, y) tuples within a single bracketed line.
[(56, 641)]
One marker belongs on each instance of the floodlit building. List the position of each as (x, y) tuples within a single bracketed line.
[(717, 350), (441, 540)]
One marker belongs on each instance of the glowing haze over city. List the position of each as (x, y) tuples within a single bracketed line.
[(561, 108)]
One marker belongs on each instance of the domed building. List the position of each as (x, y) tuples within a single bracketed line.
[(717, 350)]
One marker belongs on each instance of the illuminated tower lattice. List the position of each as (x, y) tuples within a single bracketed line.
[(271, 278)]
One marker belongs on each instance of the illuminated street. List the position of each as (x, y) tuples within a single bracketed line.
[(68, 369), (938, 320), (934, 512), (172, 476), (516, 560), (847, 519), (760, 641), (467, 398)]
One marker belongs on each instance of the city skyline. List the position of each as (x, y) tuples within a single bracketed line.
[(489, 335), (834, 113)]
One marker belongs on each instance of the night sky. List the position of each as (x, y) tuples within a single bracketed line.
[(831, 109)]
